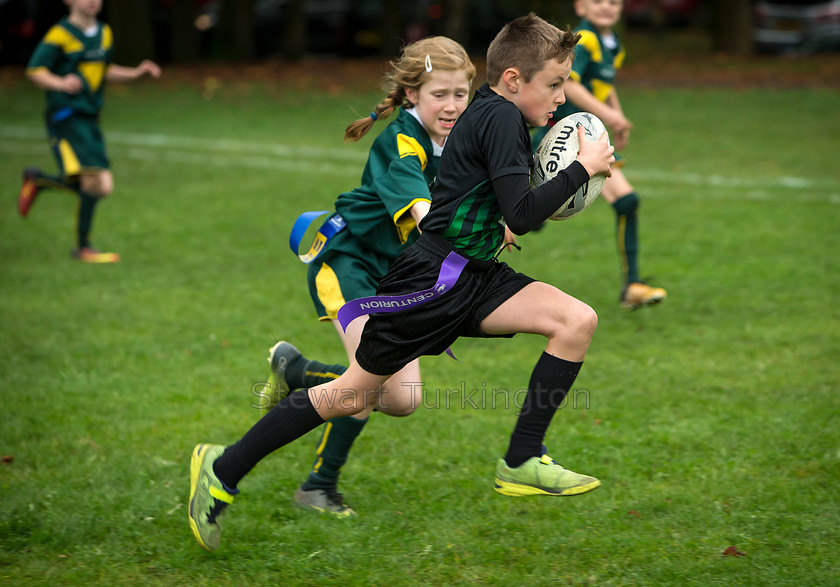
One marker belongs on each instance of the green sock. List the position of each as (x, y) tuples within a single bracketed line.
[(338, 434), (627, 236), (303, 373), (87, 204), (48, 181), (331, 454)]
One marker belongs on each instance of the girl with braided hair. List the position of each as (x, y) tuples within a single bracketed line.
[(428, 87)]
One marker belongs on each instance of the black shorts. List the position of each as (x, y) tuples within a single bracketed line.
[(392, 340)]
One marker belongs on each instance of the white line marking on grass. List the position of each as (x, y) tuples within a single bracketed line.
[(284, 164), (223, 152), (218, 160), (719, 181), (672, 191), (233, 146), (220, 145), (17, 148)]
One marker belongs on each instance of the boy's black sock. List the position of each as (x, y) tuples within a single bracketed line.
[(551, 380), (292, 418), (84, 221)]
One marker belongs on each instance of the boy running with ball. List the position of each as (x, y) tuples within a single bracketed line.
[(449, 283)]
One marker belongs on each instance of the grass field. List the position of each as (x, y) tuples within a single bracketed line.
[(712, 420)]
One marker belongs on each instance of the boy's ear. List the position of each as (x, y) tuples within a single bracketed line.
[(512, 79), (579, 8)]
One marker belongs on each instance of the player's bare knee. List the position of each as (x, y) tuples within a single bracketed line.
[(105, 189), (575, 321), (95, 189), (397, 404), (370, 398), (580, 322), (588, 321), (100, 185), (400, 411)]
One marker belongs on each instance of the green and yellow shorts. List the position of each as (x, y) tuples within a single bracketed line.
[(77, 144), (343, 272)]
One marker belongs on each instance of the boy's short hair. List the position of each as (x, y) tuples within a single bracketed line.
[(526, 44)]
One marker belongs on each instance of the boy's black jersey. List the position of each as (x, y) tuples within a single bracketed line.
[(489, 140), (490, 148)]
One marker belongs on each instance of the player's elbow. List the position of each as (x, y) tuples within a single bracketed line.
[(36, 76), (519, 227)]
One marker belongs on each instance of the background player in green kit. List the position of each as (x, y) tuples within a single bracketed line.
[(72, 63), (483, 183), (429, 87), (597, 58)]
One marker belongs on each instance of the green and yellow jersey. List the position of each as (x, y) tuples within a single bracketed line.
[(595, 65), (400, 170), (597, 60), (65, 49)]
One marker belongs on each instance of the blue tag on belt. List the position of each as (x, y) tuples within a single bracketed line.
[(331, 227), (62, 114)]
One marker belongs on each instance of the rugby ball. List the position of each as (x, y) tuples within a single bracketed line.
[(557, 150)]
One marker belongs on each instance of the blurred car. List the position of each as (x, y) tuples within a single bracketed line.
[(353, 28), (797, 26), (350, 28), (326, 20)]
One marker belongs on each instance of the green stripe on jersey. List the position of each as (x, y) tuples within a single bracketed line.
[(475, 228)]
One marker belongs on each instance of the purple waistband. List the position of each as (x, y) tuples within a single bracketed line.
[(450, 270)]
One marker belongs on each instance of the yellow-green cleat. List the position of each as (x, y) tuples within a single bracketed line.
[(541, 476), (208, 497)]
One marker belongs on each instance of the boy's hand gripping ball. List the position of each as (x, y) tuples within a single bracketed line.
[(557, 150)]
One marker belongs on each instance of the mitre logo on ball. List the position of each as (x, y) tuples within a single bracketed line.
[(556, 152)]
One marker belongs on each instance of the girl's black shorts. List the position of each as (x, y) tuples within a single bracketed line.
[(392, 340)]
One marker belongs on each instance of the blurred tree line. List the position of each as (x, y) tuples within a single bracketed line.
[(184, 31)]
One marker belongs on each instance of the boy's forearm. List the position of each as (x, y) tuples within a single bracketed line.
[(121, 73), (613, 102), (46, 80)]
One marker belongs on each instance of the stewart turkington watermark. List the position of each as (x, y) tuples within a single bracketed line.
[(478, 398)]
